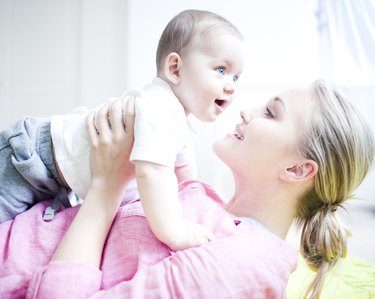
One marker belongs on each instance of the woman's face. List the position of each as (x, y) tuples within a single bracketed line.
[(266, 140)]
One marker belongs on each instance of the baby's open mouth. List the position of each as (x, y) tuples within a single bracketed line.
[(219, 102)]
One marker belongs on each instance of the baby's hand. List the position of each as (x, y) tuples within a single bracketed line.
[(192, 235)]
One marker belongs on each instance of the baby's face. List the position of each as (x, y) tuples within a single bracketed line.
[(208, 75)]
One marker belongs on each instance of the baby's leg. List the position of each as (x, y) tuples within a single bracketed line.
[(27, 171)]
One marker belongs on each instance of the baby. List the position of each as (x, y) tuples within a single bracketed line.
[(199, 58)]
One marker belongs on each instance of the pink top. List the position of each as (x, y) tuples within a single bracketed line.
[(245, 260)]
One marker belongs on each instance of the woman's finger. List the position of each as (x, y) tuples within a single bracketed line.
[(91, 129), (116, 117), (102, 121), (129, 110)]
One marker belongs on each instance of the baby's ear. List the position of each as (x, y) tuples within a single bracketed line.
[(172, 66), (300, 172)]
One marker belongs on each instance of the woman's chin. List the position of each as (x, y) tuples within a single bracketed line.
[(216, 146), (219, 149)]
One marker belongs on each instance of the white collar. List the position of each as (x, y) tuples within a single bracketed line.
[(248, 220)]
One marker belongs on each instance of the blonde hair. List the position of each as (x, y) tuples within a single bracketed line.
[(342, 144), (186, 28)]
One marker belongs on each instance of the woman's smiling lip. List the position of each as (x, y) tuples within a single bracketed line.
[(238, 133)]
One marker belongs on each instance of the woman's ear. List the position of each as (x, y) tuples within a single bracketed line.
[(303, 171), (172, 66)]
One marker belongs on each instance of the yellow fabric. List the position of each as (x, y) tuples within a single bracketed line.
[(354, 278)]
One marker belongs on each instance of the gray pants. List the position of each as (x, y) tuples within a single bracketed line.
[(27, 169)]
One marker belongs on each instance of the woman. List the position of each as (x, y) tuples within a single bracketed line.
[(297, 158)]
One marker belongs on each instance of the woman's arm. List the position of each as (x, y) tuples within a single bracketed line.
[(111, 144)]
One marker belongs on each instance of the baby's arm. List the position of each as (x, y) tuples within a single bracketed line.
[(186, 172), (158, 190)]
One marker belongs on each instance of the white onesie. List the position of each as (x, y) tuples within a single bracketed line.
[(162, 132)]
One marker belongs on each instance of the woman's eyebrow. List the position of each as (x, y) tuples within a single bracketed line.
[(280, 100)]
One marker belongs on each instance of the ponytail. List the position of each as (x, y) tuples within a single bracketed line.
[(342, 144), (323, 244)]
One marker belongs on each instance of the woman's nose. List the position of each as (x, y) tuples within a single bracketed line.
[(246, 116)]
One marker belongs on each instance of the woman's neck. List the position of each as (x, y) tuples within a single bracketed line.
[(274, 212)]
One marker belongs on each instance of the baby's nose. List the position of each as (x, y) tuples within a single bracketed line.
[(229, 88)]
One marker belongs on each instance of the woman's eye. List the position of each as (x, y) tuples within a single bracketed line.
[(221, 70), (269, 113)]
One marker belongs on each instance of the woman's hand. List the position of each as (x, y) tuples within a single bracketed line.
[(111, 138)]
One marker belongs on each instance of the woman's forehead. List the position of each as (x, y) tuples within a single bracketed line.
[(295, 96)]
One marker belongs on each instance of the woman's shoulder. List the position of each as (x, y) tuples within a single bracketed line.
[(267, 246), (202, 204)]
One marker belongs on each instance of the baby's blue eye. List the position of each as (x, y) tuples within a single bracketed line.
[(221, 70)]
